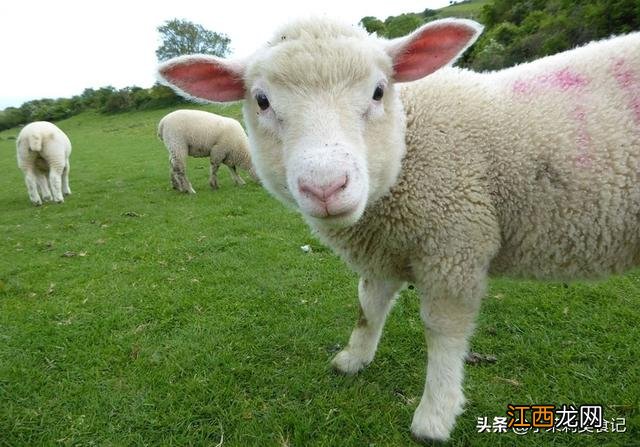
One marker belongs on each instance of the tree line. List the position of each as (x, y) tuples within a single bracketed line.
[(102, 100)]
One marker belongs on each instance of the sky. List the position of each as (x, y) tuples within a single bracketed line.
[(53, 49)]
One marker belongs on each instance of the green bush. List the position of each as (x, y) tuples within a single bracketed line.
[(530, 29)]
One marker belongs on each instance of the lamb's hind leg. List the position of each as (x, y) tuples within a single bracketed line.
[(178, 160), (376, 298), (31, 180), (43, 186), (449, 318), (65, 179), (55, 181)]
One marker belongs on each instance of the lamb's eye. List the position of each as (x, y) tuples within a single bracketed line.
[(263, 101), (377, 93)]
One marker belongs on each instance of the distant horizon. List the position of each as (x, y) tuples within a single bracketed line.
[(18, 101), (52, 61)]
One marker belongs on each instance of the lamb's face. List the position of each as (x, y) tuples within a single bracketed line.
[(324, 119), (326, 125)]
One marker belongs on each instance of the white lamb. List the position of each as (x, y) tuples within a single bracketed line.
[(531, 171), (43, 152), (204, 134)]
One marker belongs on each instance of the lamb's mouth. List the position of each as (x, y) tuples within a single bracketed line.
[(341, 219), (328, 215)]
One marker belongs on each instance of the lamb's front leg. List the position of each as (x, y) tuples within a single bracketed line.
[(449, 322), (376, 298), (236, 177)]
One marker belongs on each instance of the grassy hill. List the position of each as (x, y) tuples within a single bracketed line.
[(469, 9), (135, 315)]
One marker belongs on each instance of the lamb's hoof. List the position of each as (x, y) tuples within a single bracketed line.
[(59, 201), (36, 203), (428, 441), (47, 199), (434, 421), (68, 193), (429, 434), (346, 363)]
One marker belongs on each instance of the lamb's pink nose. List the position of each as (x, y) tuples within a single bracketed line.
[(325, 192)]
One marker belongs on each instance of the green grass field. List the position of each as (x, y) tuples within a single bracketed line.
[(134, 315)]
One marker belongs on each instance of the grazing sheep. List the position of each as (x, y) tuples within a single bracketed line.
[(531, 171), (204, 134), (43, 152)]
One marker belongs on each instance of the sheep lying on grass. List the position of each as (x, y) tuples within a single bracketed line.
[(531, 171), (43, 152), (204, 134)]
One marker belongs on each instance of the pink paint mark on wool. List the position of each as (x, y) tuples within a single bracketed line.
[(566, 79), (561, 80), (522, 87), (629, 82)]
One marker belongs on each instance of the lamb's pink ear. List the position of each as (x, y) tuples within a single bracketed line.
[(204, 77), (431, 47)]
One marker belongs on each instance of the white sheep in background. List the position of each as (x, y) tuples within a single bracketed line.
[(203, 134), (43, 152), (531, 171)]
